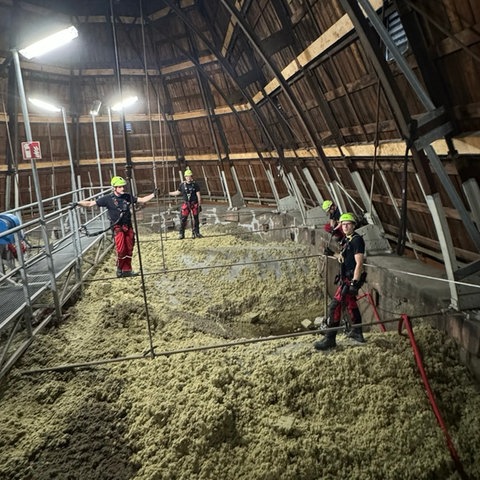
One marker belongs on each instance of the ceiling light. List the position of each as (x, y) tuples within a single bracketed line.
[(95, 107), (50, 43), (124, 103), (44, 105)]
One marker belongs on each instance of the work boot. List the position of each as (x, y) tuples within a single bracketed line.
[(356, 335), (327, 343), (129, 273), (119, 273), (181, 235), (324, 324), (197, 235)]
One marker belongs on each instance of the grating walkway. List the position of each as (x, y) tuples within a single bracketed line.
[(15, 294)]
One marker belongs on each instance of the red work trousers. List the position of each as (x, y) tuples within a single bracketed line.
[(124, 243), (188, 207), (347, 299)]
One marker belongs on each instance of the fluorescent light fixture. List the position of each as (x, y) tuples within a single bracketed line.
[(44, 105), (50, 43), (124, 103), (95, 108)]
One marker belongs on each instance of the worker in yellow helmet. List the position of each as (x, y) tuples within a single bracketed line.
[(118, 204), (351, 278), (333, 225), (192, 204)]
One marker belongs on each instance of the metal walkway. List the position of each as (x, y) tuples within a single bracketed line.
[(35, 286)]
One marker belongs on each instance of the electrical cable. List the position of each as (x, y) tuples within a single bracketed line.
[(402, 230)]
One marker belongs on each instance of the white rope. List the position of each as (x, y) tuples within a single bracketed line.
[(427, 277)]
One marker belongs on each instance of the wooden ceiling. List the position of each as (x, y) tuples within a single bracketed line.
[(274, 94)]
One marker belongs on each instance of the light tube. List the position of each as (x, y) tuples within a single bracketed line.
[(49, 43)]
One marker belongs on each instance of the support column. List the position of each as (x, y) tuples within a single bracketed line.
[(440, 220), (472, 192), (226, 191), (364, 195), (38, 190), (313, 185), (298, 195), (271, 181), (237, 185), (255, 184), (206, 182)]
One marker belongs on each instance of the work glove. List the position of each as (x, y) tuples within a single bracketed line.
[(354, 286), (73, 205), (155, 192), (328, 251), (199, 208)]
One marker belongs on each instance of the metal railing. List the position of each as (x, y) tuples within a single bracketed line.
[(38, 279)]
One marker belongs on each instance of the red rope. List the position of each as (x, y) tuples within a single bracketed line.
[(405, 320)]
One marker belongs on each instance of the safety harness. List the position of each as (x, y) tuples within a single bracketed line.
[(189, 190), (84, 230), (344, 276)]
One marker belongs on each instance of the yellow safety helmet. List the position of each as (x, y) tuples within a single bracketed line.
[(188, 173), (327, 204), (347, 217), (118, 182)]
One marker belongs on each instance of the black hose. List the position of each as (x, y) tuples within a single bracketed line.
[(402, 231)]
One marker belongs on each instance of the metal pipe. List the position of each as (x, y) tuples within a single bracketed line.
[(112, 144), (97, 151), (402, 63), (167, 353), (36, 181), (70, 158)]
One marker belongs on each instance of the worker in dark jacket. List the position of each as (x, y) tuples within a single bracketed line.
[(350, 279), (192, 204), (333, 225), (118, 203)]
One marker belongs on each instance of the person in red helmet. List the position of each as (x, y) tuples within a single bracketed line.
[(118, 203), (351, 278)]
